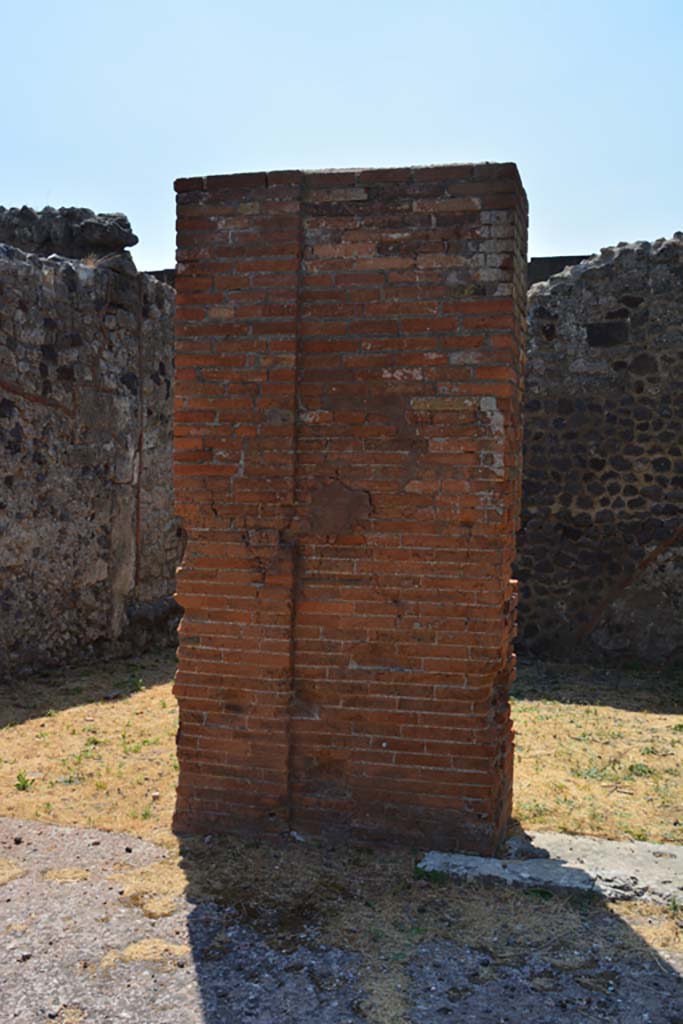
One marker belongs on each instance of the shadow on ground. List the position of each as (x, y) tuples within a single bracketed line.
[(49, 692), (100, 927), (293, 932), (628, 688)]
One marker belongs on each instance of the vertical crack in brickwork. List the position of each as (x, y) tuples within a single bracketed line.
[(288, 537)]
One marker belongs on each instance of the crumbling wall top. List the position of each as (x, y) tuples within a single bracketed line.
[(70, 231)]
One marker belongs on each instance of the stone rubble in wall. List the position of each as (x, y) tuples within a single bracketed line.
[(599, 553), (69, 231), (88, 540)]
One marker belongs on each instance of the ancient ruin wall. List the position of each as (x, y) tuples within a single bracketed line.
[(347, 469), (72, 231), (88, 540), (601, 547)]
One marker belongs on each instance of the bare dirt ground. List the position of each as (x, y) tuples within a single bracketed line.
[(135, 924)]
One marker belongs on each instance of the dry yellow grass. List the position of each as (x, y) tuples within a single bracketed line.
[(71, 1015), (145, 949), (154, 888), (9, 870), (599, 752), (66, 875), (95, 747)]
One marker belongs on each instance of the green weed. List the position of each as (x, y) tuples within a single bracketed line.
[(433, 877), (23, 782)]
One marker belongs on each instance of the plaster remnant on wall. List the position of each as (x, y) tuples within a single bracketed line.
[(493, 460), (489, 407), (336, 509), (403, 374)]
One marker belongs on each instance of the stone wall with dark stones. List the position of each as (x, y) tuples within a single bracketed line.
[(600, 553), (540, 268), (88, 540), (69, 231)]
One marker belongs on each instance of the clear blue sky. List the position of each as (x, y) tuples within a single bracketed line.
[(104, 104)]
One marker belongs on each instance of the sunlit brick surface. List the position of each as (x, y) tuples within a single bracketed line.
[(348, 374)]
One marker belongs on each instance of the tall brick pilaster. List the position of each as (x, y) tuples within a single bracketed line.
[(347, 451), (239, 254)]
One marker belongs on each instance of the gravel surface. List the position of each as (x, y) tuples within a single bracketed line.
[(74, 950), (456, 988)]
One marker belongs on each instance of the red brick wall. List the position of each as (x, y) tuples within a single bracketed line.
[(349, 365)]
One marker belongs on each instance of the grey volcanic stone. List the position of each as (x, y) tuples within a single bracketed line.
[(88, 540), (615, 870), (69, 231), (600, 550)]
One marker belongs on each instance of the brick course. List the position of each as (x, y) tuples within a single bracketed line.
[(347, 457)]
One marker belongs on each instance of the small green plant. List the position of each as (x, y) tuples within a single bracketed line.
[(70, 780), (88, 749), (433, 877), (23, 782), (640, 834), (541, 894), (593, 772), (639, 769), (533, 808), (135, 683), (127, 747), (147, 813)]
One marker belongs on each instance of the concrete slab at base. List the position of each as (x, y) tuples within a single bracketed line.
[(615, 870)]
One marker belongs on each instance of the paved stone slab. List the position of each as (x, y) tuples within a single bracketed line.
[(616, 870)]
